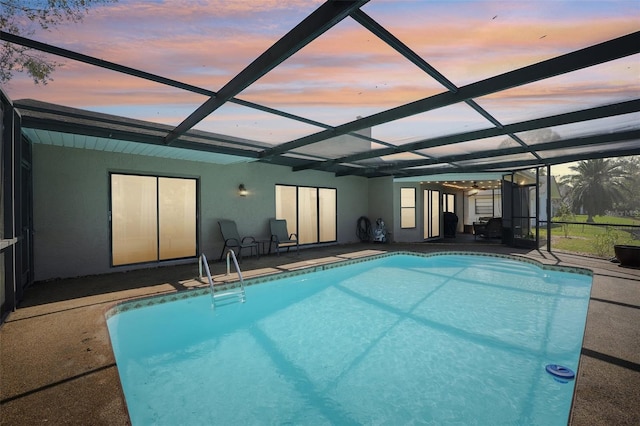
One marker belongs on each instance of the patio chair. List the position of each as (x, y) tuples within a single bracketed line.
[(491, 229), (232, 239), (280, 236)]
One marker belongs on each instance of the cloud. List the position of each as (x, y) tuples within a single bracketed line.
[(207, 43)]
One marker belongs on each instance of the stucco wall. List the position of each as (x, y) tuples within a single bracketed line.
[(408, 234), (381, 203), (71, 203), (416, 234)]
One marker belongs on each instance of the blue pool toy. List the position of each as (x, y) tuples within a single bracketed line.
[(560, 372)]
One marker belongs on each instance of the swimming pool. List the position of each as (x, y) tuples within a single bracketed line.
[(399, 339)]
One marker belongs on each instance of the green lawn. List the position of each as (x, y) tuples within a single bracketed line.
[(593, 240)]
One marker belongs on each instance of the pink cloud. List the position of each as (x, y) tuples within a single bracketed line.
[(206, 43)]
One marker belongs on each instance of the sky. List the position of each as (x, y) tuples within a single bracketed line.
[(344, 74)]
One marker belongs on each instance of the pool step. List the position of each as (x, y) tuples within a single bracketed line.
[(227, 295), (236, 292)]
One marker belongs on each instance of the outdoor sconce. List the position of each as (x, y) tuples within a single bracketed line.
[(242, 191)]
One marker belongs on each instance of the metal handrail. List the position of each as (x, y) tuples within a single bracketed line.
[(232, 254), (235, 262), (203, 259), (240, 291)]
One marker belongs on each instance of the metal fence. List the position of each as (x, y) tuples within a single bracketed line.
[(595, 239)]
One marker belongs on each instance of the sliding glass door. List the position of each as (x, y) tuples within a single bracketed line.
[(152, 218), (307, 215), (310, 212), (327, 215)]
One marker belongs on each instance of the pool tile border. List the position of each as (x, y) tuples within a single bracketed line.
[(146, 301)]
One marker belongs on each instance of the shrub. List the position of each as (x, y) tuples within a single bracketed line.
[(604, 242), (565, 215)]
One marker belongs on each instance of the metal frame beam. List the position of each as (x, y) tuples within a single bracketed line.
[(541, 147), (382, 33), (539, 123), (524, 164), (112, 66), (314, 25), (603, 52), (79, 57)]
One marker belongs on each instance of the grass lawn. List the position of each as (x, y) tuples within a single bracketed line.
[(584, 238)]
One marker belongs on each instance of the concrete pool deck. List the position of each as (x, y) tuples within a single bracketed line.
[(57, 366)]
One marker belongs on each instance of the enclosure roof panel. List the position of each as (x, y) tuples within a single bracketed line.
[(364, 88)]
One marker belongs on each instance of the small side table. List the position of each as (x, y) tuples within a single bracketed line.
[(264, 245)]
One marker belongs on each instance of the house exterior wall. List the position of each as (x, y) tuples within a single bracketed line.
[(380, 193), (408, 235), (71, 203)]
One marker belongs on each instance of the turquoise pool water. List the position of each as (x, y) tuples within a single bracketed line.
[(403, 339)]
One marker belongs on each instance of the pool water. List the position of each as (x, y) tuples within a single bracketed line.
[(403, 339)]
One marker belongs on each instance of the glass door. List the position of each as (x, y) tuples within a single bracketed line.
[(152, 218), (432, 213)]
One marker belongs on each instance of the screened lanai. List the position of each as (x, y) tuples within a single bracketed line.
[(358, 97), (363, 100)]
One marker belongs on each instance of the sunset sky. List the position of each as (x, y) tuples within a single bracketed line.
[(345, 73)]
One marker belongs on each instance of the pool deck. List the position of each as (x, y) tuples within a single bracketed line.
[(57, 366)]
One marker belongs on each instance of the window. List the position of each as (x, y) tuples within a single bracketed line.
[(449, 203), (407, 207), (484, 206), (310, 212), (152, 218)]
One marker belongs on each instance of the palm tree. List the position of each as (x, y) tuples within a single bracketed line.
[(597, 186), (631, 167)]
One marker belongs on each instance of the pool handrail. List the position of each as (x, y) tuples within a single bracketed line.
[(235, 263), (203, 260), (237, 291)]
